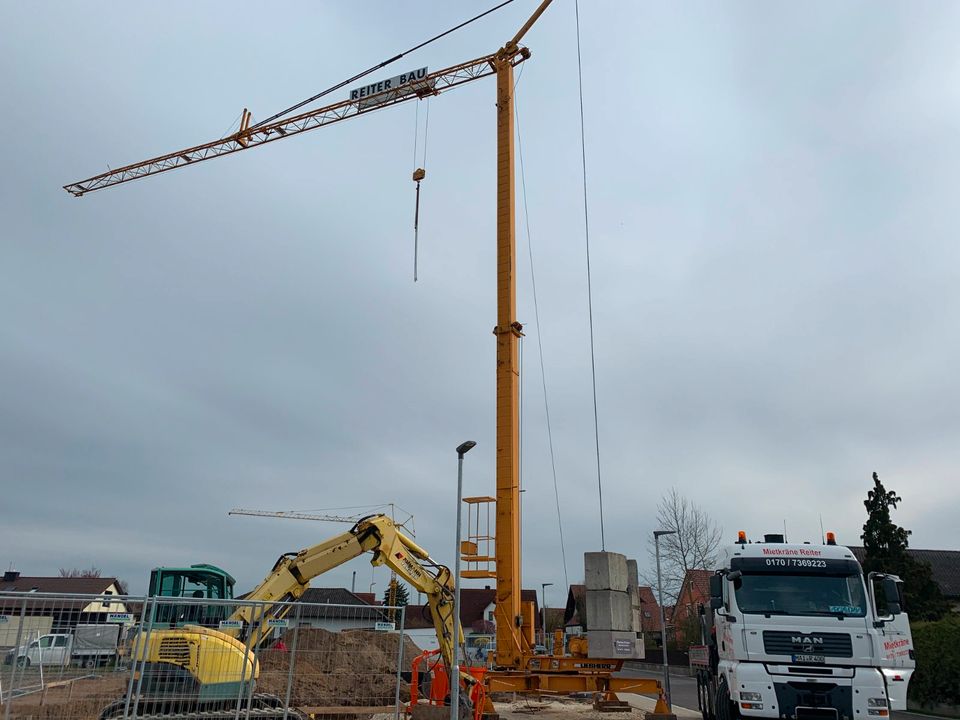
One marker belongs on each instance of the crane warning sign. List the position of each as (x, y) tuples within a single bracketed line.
[(389, 89)]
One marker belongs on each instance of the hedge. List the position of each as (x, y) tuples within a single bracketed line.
[(937, 645)]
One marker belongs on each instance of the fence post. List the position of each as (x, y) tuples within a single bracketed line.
[(396, 701), (255, 623), (246, 654), (143, 664), (134, 651), (13, 665), (292, 651)]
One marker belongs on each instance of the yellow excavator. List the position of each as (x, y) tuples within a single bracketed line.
[(199, 656)]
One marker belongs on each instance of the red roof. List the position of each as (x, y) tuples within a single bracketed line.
[(649, 609), (696, 587)]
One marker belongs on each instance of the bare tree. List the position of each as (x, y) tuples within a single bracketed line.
[(90, 572), (694, 546)]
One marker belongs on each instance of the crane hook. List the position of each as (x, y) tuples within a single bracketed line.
[(418, 175)]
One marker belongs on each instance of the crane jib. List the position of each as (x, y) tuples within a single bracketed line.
[(388, 84)]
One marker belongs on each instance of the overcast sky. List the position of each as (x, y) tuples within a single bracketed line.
[(773, 212)]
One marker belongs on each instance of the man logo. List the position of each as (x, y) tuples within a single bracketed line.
[(806, 643)]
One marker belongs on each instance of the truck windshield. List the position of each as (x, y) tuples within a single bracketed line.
[(799, 594)]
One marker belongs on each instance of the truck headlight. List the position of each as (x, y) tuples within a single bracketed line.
[(750, 696), (880, 702)]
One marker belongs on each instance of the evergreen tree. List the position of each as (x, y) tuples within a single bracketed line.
[(401, 595), (885, 544)]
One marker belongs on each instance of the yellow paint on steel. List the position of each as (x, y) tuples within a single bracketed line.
[(507, 534), (526, 682)]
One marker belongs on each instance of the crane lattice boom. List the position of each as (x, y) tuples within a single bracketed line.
[(432, 84)]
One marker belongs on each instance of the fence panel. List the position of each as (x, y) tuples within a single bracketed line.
[(92, 657), (63, 656)]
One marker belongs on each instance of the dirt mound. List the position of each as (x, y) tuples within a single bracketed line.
[(351, 668)]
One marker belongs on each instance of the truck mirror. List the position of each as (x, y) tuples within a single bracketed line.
[(716, 588), (716, 603), (892, 595), (734, 575)]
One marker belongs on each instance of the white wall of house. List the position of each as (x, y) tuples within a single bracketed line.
[(104, 605), (334, 624), (424, 638)]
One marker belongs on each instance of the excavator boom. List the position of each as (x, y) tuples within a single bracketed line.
[(377, 534)]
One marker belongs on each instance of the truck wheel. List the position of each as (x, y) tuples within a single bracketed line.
[(23, 662), (703, 696), (89, 663), (725, 708)]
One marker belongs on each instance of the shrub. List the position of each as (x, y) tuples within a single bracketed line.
[(937, 646)]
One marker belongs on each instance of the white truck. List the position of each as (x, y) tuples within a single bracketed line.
[(798, 632), (87, 645)]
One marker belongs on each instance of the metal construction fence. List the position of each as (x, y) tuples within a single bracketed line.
[(90, 657)]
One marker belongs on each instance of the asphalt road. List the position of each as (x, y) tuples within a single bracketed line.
[(683, 690)]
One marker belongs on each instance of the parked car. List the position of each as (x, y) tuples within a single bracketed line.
[(87, 645)]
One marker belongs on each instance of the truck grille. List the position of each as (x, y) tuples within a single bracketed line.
[(784, 642), (176, 650)]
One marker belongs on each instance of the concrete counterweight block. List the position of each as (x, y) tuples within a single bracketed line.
[(633, 576), (609, 610), (605, 571), (611, 644)]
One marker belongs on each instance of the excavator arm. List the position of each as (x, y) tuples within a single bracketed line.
[(377, 534)]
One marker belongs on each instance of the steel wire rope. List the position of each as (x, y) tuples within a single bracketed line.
[(536, 316), (376, 67), (586, 228)]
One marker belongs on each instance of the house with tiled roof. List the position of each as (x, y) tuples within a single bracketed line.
[(944, 566), (685, 618), (335, 609), (65, 601), (649, 612), (477, 619)]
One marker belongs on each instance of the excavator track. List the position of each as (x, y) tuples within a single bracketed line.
[(263, 707)]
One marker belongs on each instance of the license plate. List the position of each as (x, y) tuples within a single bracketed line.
[(818, 659)]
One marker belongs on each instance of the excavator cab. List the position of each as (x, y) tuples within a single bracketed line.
[(199, 581)]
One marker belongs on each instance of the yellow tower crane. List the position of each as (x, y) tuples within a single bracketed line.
[(516, 667)]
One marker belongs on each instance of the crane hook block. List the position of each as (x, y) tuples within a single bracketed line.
[(419, 174)]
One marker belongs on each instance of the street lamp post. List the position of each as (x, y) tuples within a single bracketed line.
[(543, 599), (663, 623), (462, 450)]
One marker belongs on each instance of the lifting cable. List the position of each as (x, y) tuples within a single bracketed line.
[(376, 67), (586, 226), (536, 314), (419, 174)]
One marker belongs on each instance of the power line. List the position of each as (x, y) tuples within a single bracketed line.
[(586, 227), (376, 67)]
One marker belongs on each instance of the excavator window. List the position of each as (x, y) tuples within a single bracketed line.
[(197, 583)]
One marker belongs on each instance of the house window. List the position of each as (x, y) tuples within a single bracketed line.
[(106, 603), (490, 615)]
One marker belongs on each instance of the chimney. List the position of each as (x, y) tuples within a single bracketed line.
[(11, 575)]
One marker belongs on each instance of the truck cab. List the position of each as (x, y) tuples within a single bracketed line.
[(202, 583), (798, 632)]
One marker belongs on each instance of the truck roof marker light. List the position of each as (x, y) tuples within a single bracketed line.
[(742, 537), (831, 539)]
